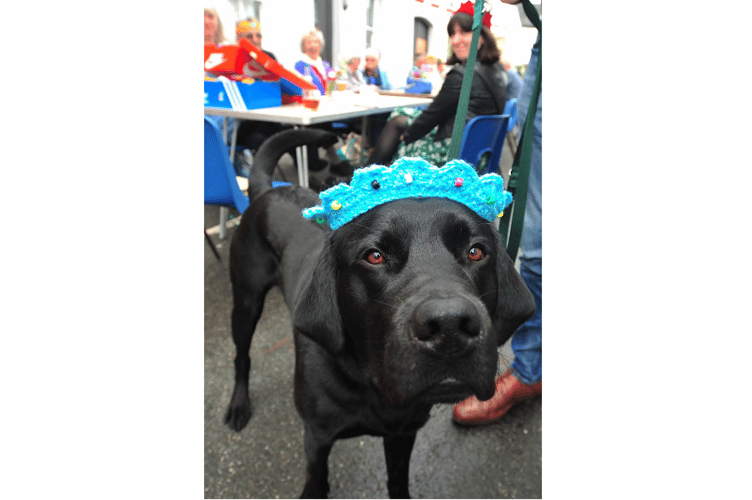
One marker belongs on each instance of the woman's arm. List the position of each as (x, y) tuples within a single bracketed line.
[(385, 85), (443, 108)]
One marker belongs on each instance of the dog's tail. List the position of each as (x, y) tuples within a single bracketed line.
[(272, 149)]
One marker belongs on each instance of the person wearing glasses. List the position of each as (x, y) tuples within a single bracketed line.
[(252, 133), (250, 29)]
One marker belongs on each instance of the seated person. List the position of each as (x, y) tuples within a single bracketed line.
[(353, 75), (419, 61), (311, 66), (250, 29), (213, 32), (213, 35), (318, 72), (252, 133), (441, 68), (428, 133), (372, 74), (375, 76), (425, 70)]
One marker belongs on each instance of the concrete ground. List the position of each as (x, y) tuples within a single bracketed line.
[(266, 459)]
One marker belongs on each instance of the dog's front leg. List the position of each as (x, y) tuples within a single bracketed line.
[(318, 444), (397, 450)]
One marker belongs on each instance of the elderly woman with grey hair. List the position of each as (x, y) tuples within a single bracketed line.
[(213, 32), (352, 72), (372, 74), (311, 66)]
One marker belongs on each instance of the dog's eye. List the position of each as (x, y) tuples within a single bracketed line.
[(375, 257), (475, 253)]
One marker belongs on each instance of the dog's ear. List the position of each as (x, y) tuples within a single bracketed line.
[(514, 303), (317, 313)]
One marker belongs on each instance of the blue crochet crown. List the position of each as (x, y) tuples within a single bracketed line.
[(411, 178)]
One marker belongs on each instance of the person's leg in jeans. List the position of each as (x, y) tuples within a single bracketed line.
[(524, 379), (527, 339)]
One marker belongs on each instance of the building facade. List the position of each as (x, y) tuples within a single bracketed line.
[(397, 28)]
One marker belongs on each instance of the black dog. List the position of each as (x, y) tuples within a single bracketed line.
[(401, 308)]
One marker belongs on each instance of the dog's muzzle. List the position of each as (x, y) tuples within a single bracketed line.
[(446, 326), (448, 349)]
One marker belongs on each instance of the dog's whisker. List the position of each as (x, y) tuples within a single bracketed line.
[(384, 303)]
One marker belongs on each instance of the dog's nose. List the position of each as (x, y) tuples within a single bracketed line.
[(447, 325)]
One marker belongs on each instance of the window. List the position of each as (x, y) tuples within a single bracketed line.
[(322, 12), (369, 23), (248, 8), (420, 44)]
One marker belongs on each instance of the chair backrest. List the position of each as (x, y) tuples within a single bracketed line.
[(485, 134), (220, 185)]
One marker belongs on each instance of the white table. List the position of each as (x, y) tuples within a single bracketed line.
[(339, 106)]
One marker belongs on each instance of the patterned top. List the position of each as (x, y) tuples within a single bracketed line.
[(315, 71)]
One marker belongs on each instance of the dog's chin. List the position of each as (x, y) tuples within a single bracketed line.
[(452, 390)]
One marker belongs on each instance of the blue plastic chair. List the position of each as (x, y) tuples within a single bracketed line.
[(486, 134), (220, 185)]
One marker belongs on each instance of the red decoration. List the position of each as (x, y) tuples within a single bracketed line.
[(247, 60), (469, 9)]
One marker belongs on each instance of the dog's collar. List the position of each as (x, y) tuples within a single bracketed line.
[(411, 178)]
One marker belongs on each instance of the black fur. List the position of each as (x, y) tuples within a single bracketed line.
[(377, 342), (274, 147)]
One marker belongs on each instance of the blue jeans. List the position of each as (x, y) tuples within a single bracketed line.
[(527, 341)]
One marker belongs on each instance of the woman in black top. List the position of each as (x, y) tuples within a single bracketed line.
[(428, 133)]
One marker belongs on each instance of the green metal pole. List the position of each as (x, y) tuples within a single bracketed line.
[(467, 81)]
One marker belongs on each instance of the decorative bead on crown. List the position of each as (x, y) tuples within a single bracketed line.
[(469, 9), (245, 26), (411, 178)]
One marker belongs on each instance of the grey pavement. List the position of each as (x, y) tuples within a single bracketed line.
[(266, 459)]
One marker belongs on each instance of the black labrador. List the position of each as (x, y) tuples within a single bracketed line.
[(401, 308)]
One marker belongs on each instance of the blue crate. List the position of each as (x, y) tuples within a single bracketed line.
[(417, 86), (239, 96)]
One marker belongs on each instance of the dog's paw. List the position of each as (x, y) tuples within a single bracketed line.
[(239, 412)]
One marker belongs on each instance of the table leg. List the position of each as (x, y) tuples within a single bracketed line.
[(224, 212), (363, 139), (301, 153), (234, 141)]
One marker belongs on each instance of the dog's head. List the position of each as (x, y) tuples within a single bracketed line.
[(421, 292)]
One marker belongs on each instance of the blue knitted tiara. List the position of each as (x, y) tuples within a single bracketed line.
[(411, 178)]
